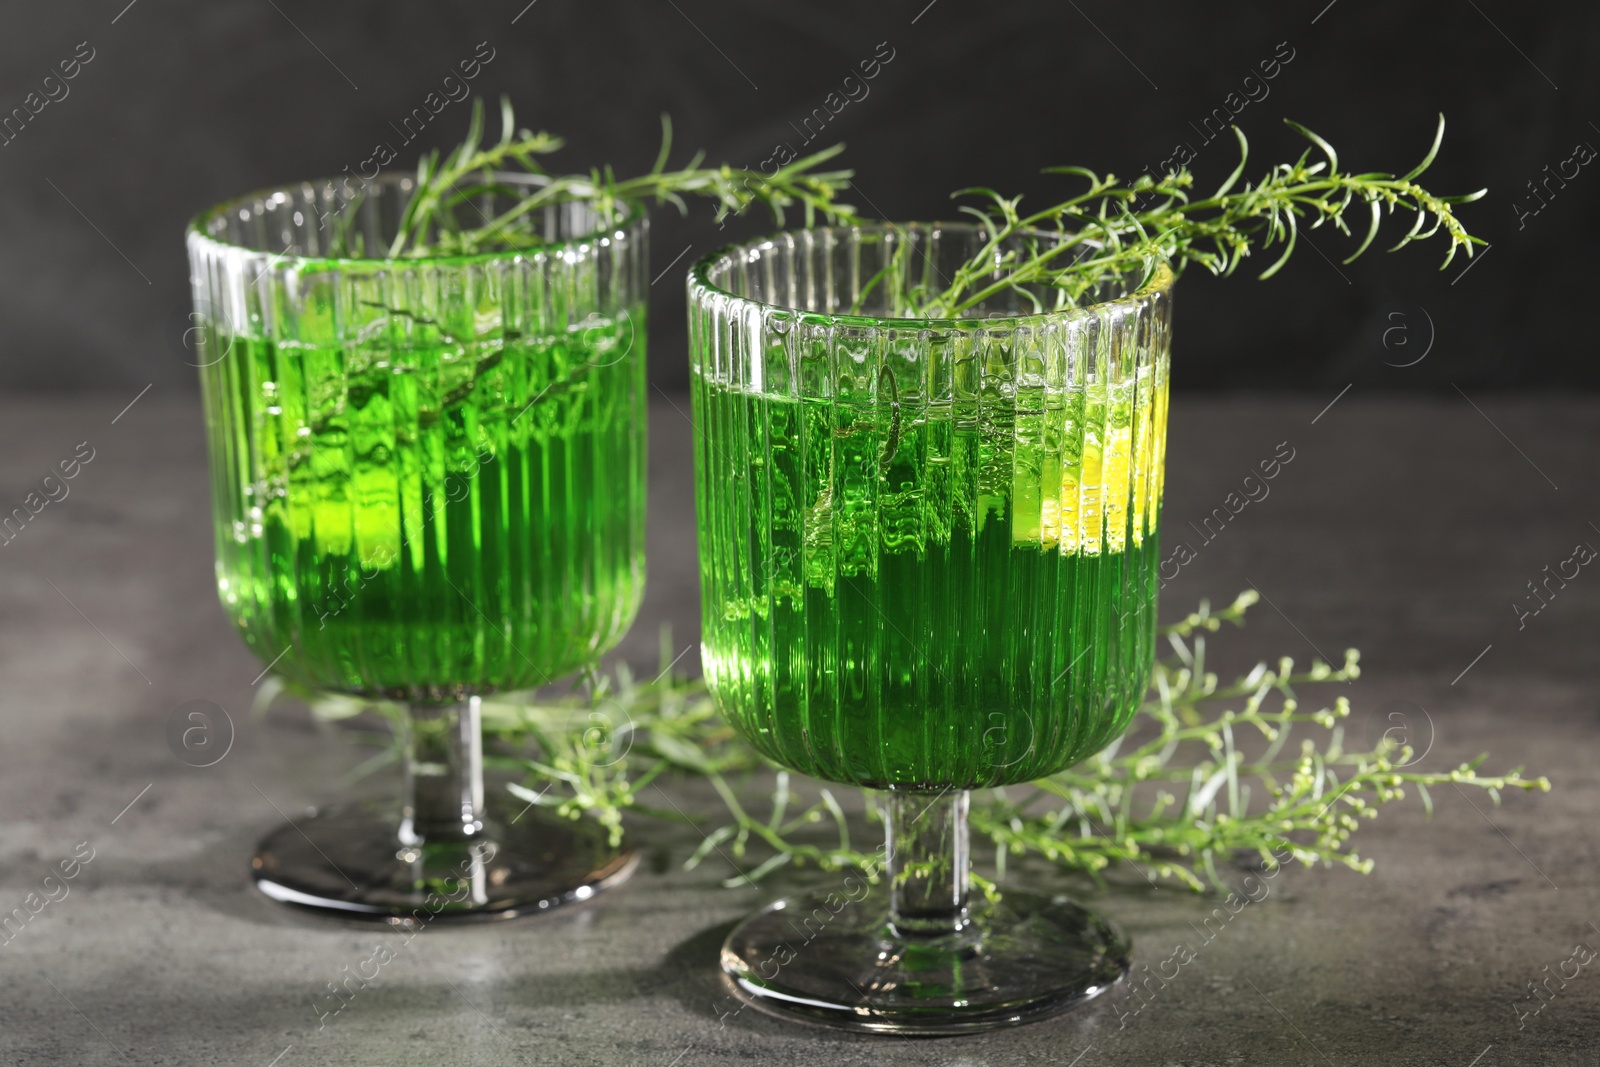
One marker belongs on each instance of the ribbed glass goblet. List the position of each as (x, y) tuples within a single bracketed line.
[(428, 478), (928, 562)]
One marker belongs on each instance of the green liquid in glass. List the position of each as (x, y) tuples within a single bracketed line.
[(927, 595), (434, 520)]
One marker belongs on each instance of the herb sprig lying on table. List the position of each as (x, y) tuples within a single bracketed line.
[(1116, 230), (1208, 773), (443, 216)]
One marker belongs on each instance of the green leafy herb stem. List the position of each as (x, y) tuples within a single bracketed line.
[(1208, 774), (1115, 229), (444, 215)]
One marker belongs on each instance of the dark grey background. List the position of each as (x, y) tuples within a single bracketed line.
[(185, 104)]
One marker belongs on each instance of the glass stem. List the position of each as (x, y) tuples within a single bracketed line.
[(443, 773), (927, 854)]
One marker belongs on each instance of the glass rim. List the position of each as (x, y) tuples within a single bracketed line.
[(195, 230), (1160, 281)]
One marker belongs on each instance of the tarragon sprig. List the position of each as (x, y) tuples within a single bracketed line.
[(1118, 231), (1208, 774), (1173, 796), (444, 215)]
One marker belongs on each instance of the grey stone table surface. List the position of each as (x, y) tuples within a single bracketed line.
[(1407, 528)]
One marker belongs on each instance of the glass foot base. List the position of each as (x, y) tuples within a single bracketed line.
[(350, 861), (832, 961)]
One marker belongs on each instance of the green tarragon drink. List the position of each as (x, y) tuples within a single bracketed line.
[(928, 565), (431, 519), (929, 595), (427, 447)]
